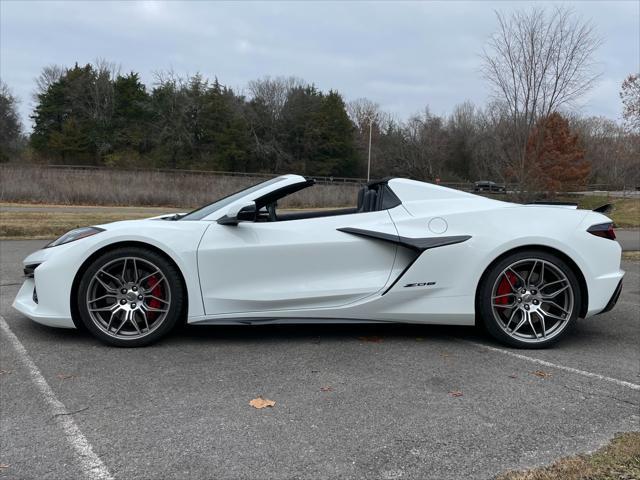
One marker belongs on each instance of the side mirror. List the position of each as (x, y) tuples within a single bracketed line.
[(240, 212)]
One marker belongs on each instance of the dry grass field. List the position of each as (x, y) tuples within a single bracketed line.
[(124, 195), (146, 188)]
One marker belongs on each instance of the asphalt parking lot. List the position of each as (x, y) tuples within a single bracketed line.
[(380, 402)]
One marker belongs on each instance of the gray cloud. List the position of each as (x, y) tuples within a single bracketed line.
[(402, 55)]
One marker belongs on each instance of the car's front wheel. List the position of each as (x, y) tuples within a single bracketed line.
[(130, 297), (529, 299)]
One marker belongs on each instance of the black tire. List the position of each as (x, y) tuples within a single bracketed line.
[(486, 310), (173, 284)]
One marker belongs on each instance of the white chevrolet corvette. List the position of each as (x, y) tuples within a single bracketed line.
[(409, 252)]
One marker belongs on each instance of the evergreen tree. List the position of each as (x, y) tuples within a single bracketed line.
[(84, 114), (299, 131), (225, 129), (48, 115), (10, 127), (335, 154), (72, 142), (170, 124), (76, 108), (131, 115)]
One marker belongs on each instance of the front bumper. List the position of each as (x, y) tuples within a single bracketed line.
[(50, 272), (25, 304)]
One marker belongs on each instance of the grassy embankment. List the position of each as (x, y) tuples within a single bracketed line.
[(626, 211), (619, 460), (56, 220)]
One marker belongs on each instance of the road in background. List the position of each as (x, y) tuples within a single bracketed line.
[(611, 193), (365, 401), (628, 238)]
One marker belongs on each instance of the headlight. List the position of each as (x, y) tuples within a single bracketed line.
[(75, 234)]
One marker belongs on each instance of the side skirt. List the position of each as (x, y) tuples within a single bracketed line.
[(286, 321)]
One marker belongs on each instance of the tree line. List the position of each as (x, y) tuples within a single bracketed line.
[(538, 62)]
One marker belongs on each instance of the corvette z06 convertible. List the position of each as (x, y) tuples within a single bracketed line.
[(408, 252)]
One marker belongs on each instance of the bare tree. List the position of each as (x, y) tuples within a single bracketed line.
[(49, 75), (611, 149), (101, 101), (362, 111), (101, 94), (370, 122), (171, 123), (462, 128), (630, 95), (423, 152), (269, 97), (537, 63), (273, 92)]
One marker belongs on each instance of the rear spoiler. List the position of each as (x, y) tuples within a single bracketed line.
[(606, 208)]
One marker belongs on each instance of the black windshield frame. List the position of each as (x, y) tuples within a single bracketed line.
[(205, 211)]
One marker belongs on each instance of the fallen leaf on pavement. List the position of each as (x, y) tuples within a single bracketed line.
[(541, 374), (455, 393), (64, 376), (261, 402), (371, 339), (326, 389)]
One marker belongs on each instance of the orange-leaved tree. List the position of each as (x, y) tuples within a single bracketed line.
[(555, 157)]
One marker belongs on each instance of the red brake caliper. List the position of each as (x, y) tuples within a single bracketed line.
[(504, 288), (156, 291)]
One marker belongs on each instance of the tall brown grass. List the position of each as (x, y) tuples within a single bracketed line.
[(146, 188)]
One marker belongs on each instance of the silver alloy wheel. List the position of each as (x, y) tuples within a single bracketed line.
[(128, 298), (532, 300)]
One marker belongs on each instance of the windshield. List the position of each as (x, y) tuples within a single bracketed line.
[(202, 212)]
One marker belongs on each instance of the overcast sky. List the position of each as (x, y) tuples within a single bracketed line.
[(402, 55)]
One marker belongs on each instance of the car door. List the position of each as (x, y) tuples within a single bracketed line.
[(295, 264)]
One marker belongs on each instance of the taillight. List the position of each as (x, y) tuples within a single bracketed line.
[(604, 230)]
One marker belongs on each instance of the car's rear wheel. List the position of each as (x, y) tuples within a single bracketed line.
[(529, 299), (130, 297)]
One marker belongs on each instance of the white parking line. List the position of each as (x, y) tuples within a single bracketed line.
[(622, 383), (91, 464)]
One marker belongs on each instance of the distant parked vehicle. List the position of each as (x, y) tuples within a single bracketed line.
[(487, 186)]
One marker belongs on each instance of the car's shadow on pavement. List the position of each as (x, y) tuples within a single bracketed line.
[(586, 333), (374, 333), (303, 333)]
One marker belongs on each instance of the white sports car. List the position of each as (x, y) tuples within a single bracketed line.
[(409, 252)]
